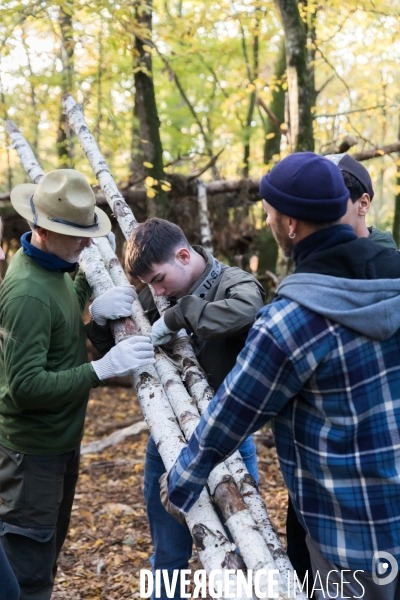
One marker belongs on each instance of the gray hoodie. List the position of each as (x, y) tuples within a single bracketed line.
[(369, 306)]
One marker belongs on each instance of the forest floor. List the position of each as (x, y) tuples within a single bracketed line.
[(109, 539)]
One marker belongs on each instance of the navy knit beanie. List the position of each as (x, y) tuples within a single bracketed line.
[(306, 186)]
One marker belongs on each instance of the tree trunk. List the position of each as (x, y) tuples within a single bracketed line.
[(272, 143), (213, 547), (148, 382), (121, 210), (148, 121), (252, 75), (299, 93), (64, 145), (396, 220), (205, 230)]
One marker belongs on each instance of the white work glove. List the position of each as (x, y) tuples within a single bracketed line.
[(136, 351), (173, 510), (160, 333), (113, 304)]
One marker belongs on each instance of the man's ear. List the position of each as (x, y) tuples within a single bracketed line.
[(363, 204), (42, 233), (292, 226), (182, 255)]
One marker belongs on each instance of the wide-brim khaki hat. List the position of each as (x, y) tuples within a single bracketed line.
[(63, 202)]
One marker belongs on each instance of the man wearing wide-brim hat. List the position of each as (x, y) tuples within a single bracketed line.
[(45, 376)]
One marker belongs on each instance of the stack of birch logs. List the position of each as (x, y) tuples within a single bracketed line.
[(172, 394)]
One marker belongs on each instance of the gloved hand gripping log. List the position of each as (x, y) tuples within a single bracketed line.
[(168, 373)]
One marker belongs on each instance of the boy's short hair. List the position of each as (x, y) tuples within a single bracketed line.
[(153, 242), (354, 186)]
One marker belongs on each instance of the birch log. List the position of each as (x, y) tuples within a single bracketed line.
[(28, 159), (205, 229), (255, 548), (121, 210)]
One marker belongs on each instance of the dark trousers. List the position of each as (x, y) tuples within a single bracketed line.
[(297, 549), (9, 589), (36, 494)]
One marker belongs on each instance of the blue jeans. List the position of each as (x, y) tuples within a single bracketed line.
[(172, 541)]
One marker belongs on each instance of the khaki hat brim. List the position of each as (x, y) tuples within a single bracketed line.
[(20, 199)]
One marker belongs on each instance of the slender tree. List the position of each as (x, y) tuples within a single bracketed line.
[(396, 220), (300, 97), (64, 147), (277, 106), (252, 73), (146, 113)]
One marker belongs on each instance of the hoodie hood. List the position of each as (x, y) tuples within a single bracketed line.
[(369, 306)]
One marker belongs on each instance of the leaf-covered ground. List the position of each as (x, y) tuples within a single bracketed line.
[(109, 539)]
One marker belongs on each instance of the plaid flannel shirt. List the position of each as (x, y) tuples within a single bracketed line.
[(334, 397)]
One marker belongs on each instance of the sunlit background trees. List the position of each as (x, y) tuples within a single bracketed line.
[(171, 87)]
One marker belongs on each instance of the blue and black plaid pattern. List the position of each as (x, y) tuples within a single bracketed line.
[(334, 398)]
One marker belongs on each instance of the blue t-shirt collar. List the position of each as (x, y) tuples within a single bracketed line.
[(44, 259)]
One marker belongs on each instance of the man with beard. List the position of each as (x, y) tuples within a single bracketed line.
[(322, 363), (358, 182)]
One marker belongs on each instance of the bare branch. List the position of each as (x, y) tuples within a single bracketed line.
[(114, 438), (376, 152), (210, 164), (356, 110), (328, 62), (273, 118)]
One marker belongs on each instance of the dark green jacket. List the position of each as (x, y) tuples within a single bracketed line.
[(383, 238), (45, 377), (220, 321)]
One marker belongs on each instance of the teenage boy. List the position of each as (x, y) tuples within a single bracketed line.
[(217, 306)]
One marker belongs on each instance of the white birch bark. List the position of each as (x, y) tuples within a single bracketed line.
[(223, 489), (205, 229), (121, 210), (111, 192), (127, 223), (28, 159)]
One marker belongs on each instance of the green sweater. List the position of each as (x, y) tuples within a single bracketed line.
[(45, 377)]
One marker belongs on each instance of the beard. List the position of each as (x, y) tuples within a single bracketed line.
[(282, 238)]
